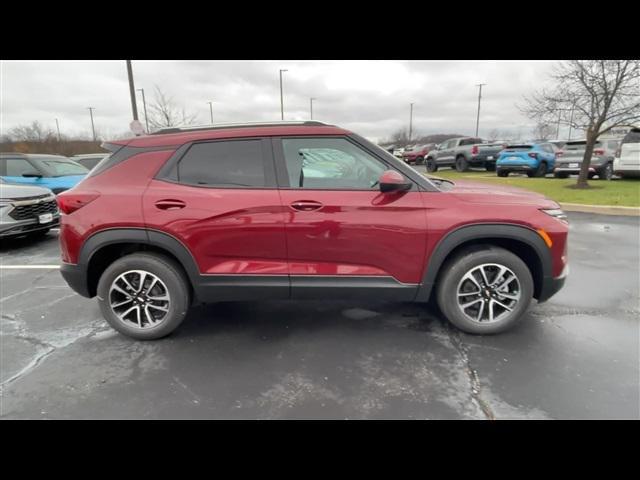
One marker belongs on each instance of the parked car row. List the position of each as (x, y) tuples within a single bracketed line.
[(29, 184), (611, 156)]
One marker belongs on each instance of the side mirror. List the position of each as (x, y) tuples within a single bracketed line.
[(392, 181), (33, 174)]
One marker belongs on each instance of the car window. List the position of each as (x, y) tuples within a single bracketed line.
[(613, 144), (330, 163), (227, 163), (17, 166), (632, 137), (60, 168)]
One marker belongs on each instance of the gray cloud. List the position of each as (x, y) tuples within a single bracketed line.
[(369, 97)]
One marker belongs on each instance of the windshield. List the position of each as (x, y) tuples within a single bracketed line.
[(59, 167)]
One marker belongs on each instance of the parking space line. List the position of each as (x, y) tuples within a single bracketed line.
[(16, 267)]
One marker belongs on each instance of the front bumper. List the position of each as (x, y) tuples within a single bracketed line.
[(22, 227), (551, 286), (76, 278)]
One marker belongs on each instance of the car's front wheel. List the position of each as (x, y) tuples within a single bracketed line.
[(461, 164), (485, 290), (606, 173), (144, 295), (432, 166)]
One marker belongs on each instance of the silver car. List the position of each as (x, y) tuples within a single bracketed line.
[(569, 159), (26, 210)]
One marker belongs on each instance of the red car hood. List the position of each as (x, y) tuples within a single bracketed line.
[(479, 192)]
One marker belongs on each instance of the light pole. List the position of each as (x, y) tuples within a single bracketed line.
[(93, 128), (311, 106), (211, 111), (281, 97), (410, 121), (58, 128), (479, 97), (144, 106), (132, 90)]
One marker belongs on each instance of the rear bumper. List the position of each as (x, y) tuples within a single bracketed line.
[(486, 159), (514, 168), (76, 278)]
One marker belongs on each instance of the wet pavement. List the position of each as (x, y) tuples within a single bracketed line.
[(576, 356)]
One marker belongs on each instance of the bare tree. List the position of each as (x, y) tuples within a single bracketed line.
[(494, 135), (34, 132), (164, 112), (542, 131), (591, 95)]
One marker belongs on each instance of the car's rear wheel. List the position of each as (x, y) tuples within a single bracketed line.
[(503, 173), (144, 295), (432, 166), (541, 171), (461, 164), (485, 290), (491, 167)]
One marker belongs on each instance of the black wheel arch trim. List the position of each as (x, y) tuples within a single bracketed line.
[(479, 231)]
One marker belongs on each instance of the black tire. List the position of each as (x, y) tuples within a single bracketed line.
[(541, 171), (561, 175), (503, 173), (169, 272), (491, 167), (453, 273), (461, 164), (432, 166), (606, 173), (419, 160), (531, 174)]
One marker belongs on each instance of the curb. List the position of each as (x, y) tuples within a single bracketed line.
[(601, 209)]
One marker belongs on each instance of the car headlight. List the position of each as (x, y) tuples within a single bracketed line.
[(556, 213)]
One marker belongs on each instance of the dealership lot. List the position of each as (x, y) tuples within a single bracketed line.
[(577, 356)]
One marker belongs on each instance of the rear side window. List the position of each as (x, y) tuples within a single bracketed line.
[(237, 163), (632, 137)]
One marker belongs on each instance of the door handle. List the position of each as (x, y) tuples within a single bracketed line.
[(170, 204), (306, 205)]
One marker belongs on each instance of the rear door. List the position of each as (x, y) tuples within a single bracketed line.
[(630, 150), (446, 156), (219, 199), (344, 237)]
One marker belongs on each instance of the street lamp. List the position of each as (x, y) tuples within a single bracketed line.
[(144, 105), (132, 91), (211, 111), (410, 121), (311, 106), (281, 98), (58, 127), (93, 128), (479, 97)]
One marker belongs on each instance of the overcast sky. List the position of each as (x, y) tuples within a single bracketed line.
[(369, 97)]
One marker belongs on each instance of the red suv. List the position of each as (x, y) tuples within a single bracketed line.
[(298, 211)]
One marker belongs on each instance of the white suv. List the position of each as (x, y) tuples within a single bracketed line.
[(627, 160)]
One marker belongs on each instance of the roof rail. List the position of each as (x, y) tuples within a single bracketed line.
[(310, 123)]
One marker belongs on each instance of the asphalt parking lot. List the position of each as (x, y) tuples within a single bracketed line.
[(574, 357)]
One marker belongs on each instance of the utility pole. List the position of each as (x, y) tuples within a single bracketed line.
[(410, 121), (479, 97), (311, 106), (58, 127), (144, 105), (93, 128), (132, 91), (281, 97), (211, 111)]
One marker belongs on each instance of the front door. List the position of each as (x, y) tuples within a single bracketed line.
[(345, 238)]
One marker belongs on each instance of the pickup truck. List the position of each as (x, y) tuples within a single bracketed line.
[(463, 153)]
